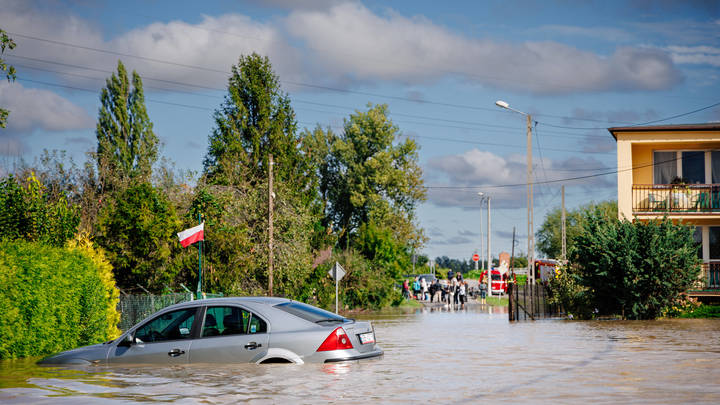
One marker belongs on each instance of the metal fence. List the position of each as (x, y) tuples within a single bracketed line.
[(665, 198), (709, 276), (134, 308), (531, 302)]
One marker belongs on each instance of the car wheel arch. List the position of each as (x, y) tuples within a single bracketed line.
[(277, 355)]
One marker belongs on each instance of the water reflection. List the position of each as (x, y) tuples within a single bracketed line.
[(434, 354)]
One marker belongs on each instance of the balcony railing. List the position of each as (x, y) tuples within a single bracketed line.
[(709, 276), (676, 198)]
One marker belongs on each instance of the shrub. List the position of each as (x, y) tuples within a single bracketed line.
[(634, 269), (84, 245), (52, 299)]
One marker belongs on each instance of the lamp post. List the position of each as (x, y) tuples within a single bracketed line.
[(489, 238), (482, 239), (530, 227)]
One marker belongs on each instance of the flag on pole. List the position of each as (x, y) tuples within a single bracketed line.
[(192, 235)]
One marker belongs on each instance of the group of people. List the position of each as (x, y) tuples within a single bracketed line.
[(452, 291)]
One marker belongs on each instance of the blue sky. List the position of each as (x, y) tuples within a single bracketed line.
[(577, 66)]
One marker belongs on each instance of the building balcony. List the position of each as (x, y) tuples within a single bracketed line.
[(709, 277), (683, 199)]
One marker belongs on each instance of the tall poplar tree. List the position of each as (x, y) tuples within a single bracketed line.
[(255, 120), (127, 145)]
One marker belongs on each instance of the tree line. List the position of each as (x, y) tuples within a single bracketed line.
[(348, 196)]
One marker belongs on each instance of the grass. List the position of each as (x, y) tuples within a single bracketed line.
[(497, 301), (703, 311), (410, 304)]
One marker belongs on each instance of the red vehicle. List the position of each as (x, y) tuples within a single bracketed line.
[(498, 282)]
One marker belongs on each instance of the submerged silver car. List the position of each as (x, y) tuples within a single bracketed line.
[(234, 330)]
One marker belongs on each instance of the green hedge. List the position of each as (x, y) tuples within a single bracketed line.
[(51, 299)]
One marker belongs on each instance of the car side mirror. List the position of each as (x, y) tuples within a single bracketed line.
[(127, 341)]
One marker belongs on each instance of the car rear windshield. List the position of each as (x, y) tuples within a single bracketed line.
[(309, 312)]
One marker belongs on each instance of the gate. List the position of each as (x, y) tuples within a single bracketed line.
[(530, 302)]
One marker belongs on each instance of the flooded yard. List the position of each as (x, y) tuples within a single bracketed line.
[(468, 356)]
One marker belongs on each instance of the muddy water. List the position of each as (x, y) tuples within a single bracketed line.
[(472, 356)]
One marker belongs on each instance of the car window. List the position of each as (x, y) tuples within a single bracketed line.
[(227, 320), (168, 326), (309, 312)]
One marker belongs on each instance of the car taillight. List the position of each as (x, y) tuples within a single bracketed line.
[(338, 340)]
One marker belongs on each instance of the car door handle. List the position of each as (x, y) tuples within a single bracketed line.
[(176, 352), (253, 345)]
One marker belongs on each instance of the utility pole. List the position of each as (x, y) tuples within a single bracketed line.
[(564, 236), (531, 236), (482, 251), (270, 225), (489, 251)]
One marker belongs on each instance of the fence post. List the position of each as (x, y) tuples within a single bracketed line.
[(511, 311)]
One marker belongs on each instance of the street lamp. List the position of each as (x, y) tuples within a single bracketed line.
[(530, 227), (482, 239), (489, 237)]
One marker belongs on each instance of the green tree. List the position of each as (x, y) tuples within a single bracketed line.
[(254, 121), (137, 231), (127, 145), (549, 237), (372, 175), (8, 70), (633, 269), (29, 212)]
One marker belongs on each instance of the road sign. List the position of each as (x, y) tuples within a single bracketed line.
[(337, 272), (476, 257)]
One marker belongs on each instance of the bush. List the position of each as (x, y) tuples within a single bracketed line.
[(52, 299), (637, 269)]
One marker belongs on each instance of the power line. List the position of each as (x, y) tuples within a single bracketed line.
[(329, 88), (23, 79), (466, 188)]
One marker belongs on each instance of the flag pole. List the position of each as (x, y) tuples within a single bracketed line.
[(199, 288)]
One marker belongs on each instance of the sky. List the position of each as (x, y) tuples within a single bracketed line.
[(577, 67)]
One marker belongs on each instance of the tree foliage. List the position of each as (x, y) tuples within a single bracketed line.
[(254, 121), (372, 176), (8, 70), (28, 212), (127, 145), (549, 237), (137, 230), (634, 269)]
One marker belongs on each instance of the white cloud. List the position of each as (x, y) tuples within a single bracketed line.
[(214, 44), (32, 109), (352, 43), (695, 55), (339, 45)]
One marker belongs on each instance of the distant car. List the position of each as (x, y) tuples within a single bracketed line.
[(429, 278), (234, 330)]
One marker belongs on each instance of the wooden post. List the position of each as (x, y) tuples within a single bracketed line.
[(270, 225)]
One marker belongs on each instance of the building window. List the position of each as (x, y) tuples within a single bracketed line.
[(697, 237), (693, 167), (715, 166), (665, 167), (714, 242)]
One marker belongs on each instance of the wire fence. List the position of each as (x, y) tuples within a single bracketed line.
[(531, 302), (134, 308)]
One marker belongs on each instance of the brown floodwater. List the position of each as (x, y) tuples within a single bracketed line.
[(470, 356)]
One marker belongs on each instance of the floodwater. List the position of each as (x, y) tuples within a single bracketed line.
[(470, 356)]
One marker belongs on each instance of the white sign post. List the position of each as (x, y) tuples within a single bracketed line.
[(337, 272)]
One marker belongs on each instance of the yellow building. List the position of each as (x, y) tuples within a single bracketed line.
[(674, 170)]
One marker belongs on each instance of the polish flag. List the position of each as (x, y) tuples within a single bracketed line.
[(192, 235)]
